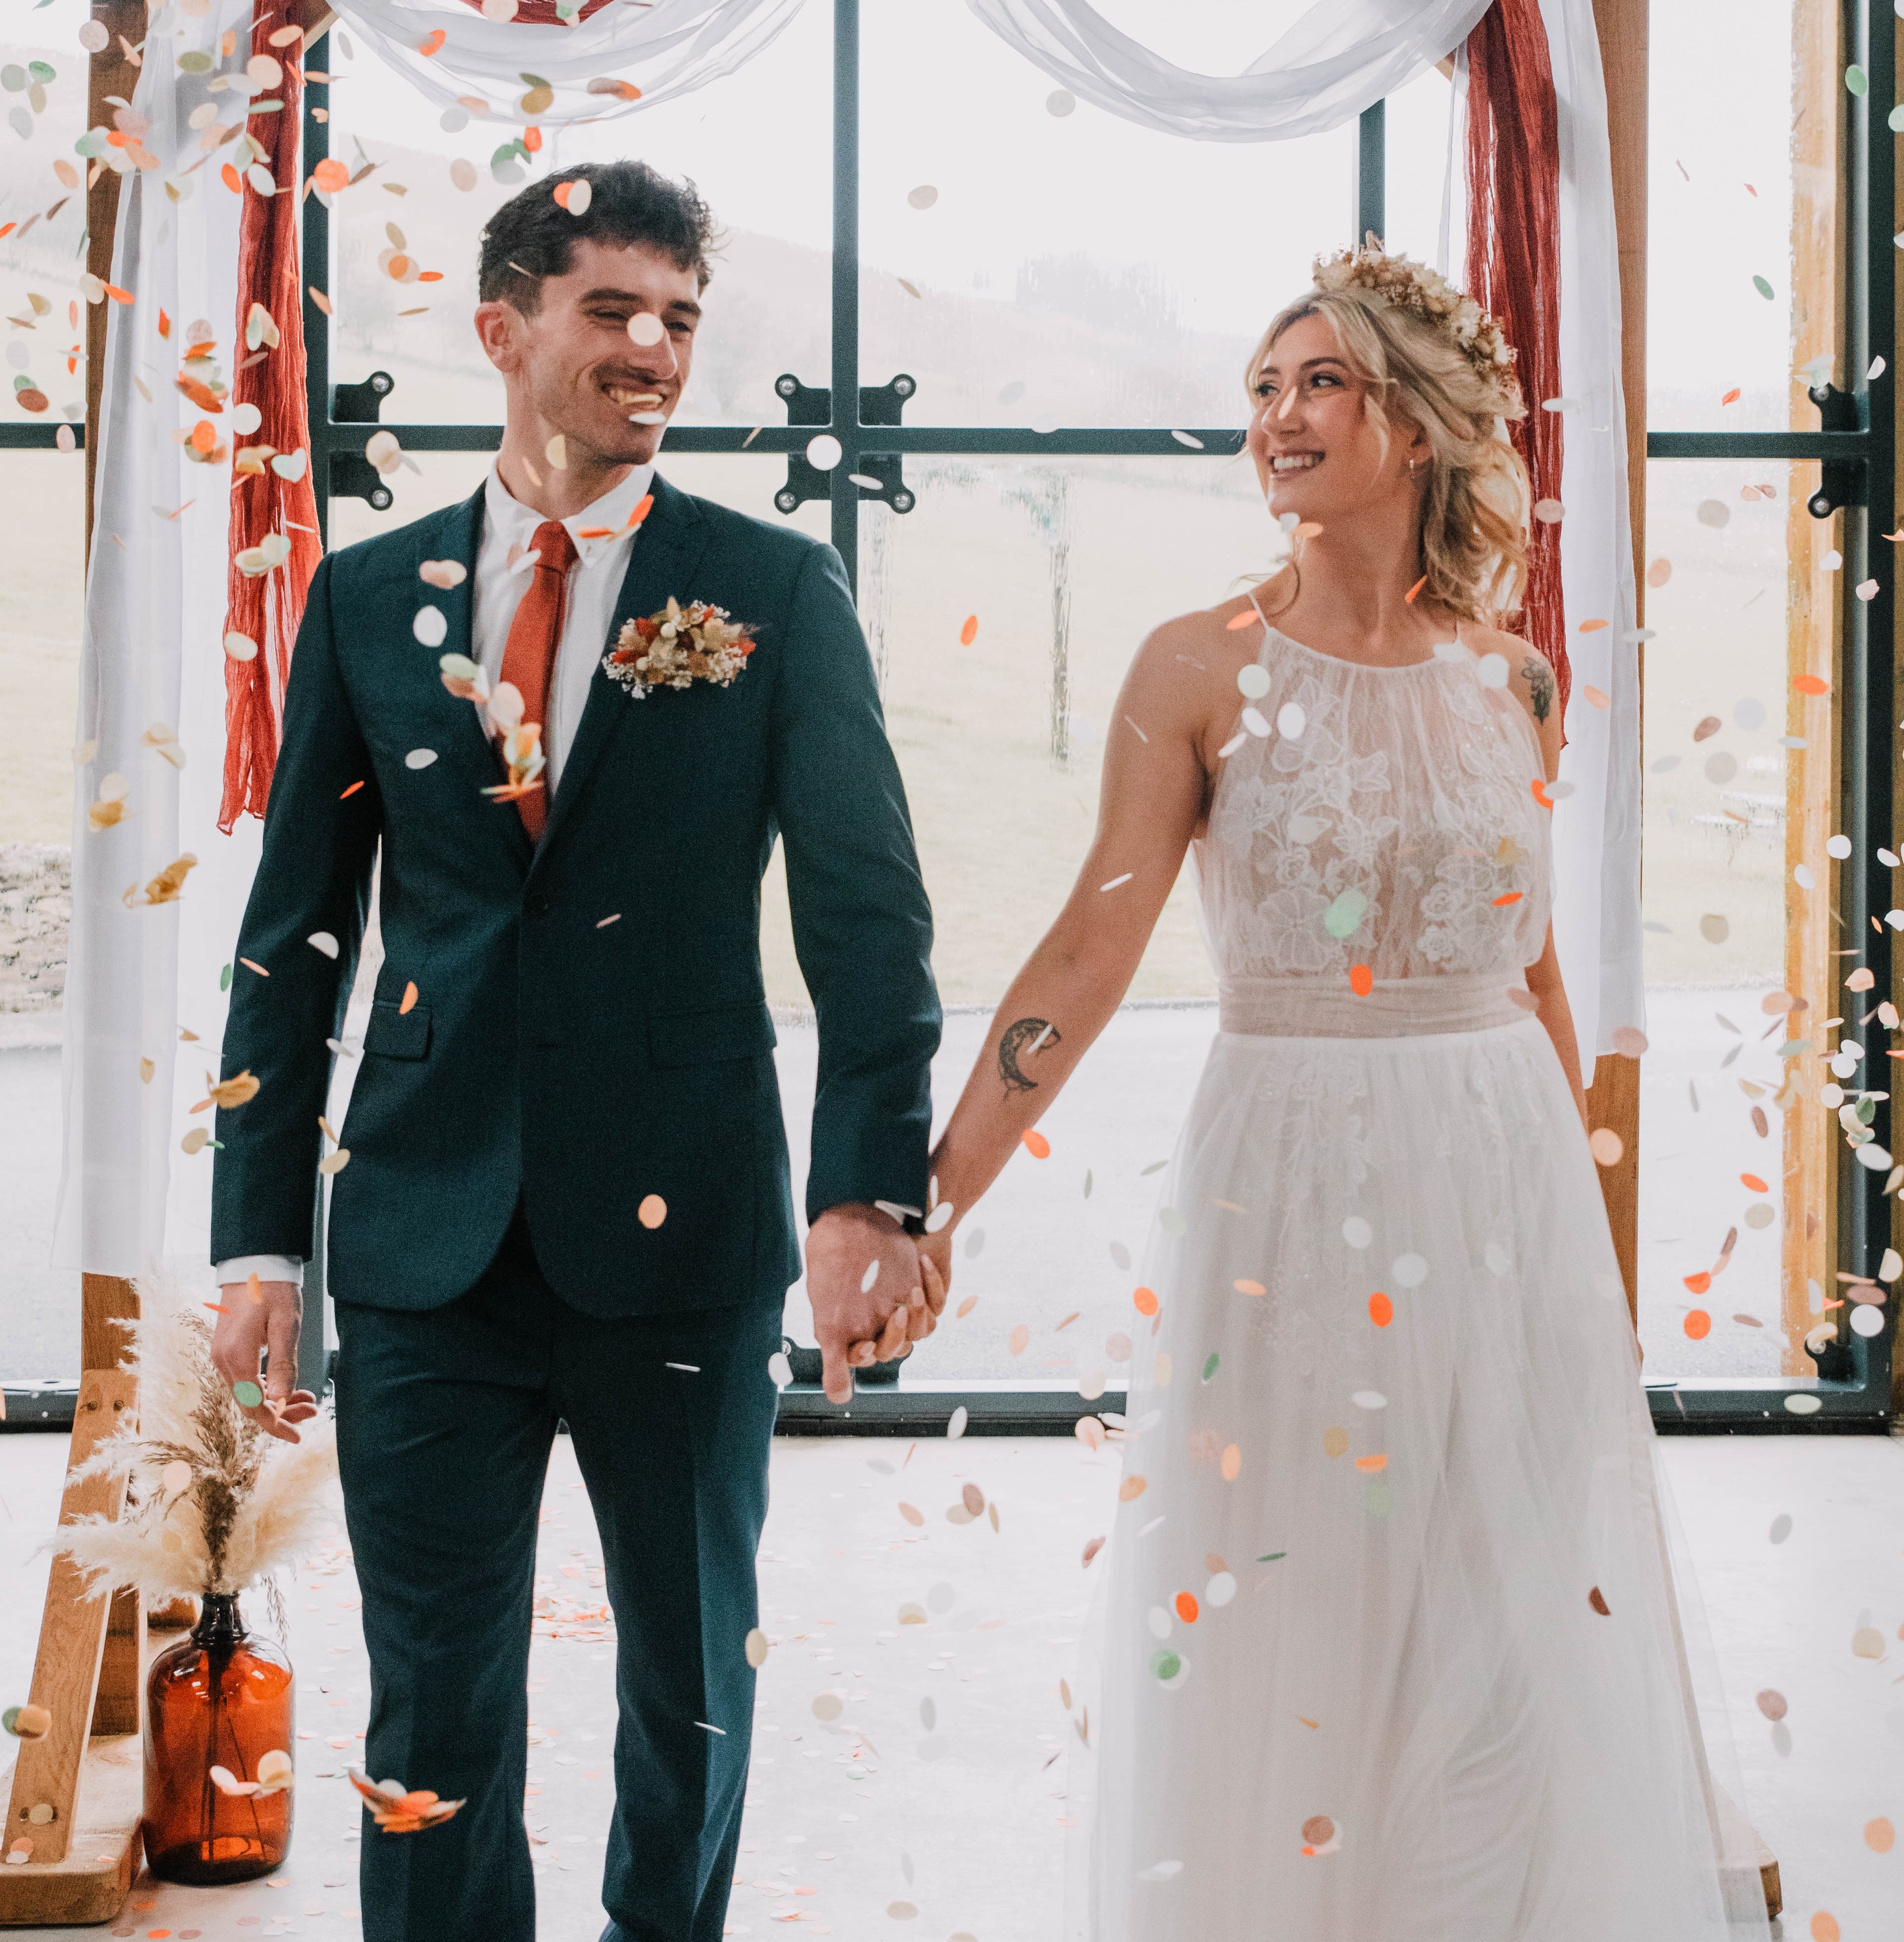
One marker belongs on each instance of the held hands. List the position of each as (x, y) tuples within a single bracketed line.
[(271, 1318), (869, 1301)]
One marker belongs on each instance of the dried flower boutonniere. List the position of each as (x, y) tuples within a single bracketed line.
[(679, 647)]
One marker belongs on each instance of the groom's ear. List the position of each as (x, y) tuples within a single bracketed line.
[(503, 331)]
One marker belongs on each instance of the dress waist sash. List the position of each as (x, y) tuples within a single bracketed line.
[(1395, 1008)]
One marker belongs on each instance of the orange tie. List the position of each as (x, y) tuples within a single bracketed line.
[(529, 655)]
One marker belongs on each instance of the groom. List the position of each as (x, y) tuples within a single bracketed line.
[(566, 1193)]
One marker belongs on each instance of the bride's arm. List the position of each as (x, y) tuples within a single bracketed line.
[(1151, 796), (1533, 682)]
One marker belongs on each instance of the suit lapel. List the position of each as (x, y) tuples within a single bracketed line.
[(666, 552), (458, 538)]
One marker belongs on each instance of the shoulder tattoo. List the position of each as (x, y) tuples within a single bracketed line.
[(1540, 683)]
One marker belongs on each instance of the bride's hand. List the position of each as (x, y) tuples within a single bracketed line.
[(935, 1269)]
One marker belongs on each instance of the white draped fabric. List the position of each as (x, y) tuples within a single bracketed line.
[(667, 49), (151, 663), (1340, 57)]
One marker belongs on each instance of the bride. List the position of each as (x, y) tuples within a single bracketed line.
[(1389, 1650)]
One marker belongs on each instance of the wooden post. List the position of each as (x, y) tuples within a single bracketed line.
[(1612, 1099)]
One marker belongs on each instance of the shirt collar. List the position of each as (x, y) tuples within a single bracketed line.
[(605, 519)]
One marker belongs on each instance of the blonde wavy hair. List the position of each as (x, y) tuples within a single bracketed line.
[(1474, 511)]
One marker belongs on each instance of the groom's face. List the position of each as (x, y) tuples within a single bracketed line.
[(571, 365)]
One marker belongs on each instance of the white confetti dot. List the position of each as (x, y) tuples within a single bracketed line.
[(1839, 847), (1255, 722), (322, 940), (430, 627), (956, 1428), (1781, 1527), (1291, 720), (779, 1369), (1713, 512), (1357, 1232), (923, 196), (824, 452), (1369, 1399), (419, 758), (1061, 101), (1800, 1404), (645, 327), (1253, 680), (1801, 875), (1493, 670), (1749, 714), (1220, 1590), (1867, 1320), (1409, 1270), (1498, 1259), (828, 1705), (1160, 1871)]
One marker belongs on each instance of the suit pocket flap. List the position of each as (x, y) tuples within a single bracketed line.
[(701, 1038), (392, 1034)]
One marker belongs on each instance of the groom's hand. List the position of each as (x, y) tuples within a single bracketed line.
[(855, 1322), (272, 1318)]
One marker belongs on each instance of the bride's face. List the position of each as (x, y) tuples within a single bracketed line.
[(1317, 452)]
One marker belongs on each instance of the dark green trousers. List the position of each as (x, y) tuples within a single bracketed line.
[(445, 1419)]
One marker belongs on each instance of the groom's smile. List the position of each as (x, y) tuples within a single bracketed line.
[(605, 390)]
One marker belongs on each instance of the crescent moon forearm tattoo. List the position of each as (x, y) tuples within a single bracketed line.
[(1020, 1040)]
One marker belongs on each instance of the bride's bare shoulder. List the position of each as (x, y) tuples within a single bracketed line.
[(1530, 678), (1193, 657)]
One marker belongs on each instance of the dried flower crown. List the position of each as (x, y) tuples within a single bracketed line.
[(1407, 285)]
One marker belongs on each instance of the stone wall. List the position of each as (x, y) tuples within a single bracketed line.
[(35, 913)]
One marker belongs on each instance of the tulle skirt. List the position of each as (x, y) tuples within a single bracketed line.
[(1388, 1648)]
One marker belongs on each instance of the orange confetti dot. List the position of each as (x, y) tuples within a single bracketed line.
[(229, 176), (1381, 1310), (1036, 1144), (1880, 1836), (1409, 595), (965, 1308), (1606, 1146), (1018, 1340), (330, 175), (116, 294), (398, 267), (1131, 1489), (1753, 1181), (1699, 1324), (1824, 1926), (1372, 1463), (969, 632), (431, 43), (1597, 1599), (251, 964), (1510, 897), (1232, 1463), (1248, 1287), (1144, 1301), (1362, 980), (652, 1212), (1732, 397), (409, 998), (1186, 1608), (351, 791), (1811, 684), (1697, 1284), (1249, 617), (532, 140), (1593, 626), (1540, 789)]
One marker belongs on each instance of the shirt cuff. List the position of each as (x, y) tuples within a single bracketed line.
[(266, 1267)]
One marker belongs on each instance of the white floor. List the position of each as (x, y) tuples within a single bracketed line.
[(854, 1822)]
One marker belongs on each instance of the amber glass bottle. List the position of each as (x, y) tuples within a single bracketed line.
[(216, 1698)]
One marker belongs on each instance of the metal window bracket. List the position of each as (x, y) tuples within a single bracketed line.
[(813, 405), (352, 476), (1842, 481)]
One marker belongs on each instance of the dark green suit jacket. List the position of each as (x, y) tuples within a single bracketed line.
[(579, 1065)]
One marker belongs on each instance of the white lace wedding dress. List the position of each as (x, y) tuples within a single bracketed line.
[(1389, 1650)]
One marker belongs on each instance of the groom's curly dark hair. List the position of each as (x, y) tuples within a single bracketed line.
[(531, 236)]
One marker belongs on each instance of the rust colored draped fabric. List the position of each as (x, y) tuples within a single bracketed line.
[(1513, 267), (266, 609)]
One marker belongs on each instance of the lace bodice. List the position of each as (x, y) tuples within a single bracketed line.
[(1387, 820)]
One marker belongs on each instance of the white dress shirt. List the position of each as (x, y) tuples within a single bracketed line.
[(500, 579)]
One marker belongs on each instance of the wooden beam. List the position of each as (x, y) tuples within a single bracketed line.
[(110, 72), (1612, 1099)]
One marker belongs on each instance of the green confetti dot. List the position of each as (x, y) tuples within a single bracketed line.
[(1155, 1166), (1895, 119), (1763, 288), (1855, 79), (248, 1394), (1344, 916), (9, 1719), (1166, 1664), (1170, 1220), (1087, 1183), (1270, 1556), (1212, 1365), (225, 978), (1379, 1499), (41, 71)]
